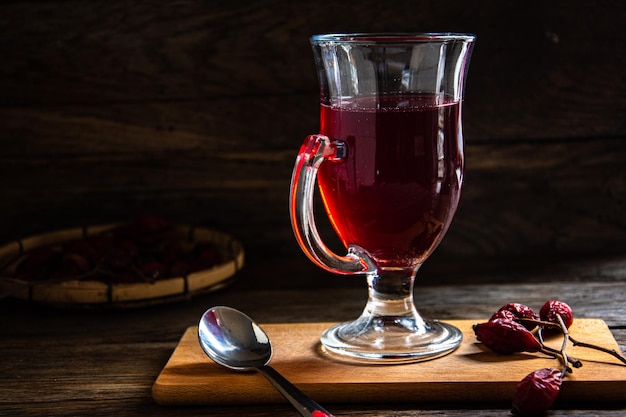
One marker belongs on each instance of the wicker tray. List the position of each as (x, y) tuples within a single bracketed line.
[(89, 293)]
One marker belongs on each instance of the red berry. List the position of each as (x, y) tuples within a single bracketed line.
[(535, 394), (552, 308), (122, 254), (503, 314), (75, 263), (506, 336), (125, 276), (100, 244), (205, 256), (38, 263), (154, 270), (179, 269), (171, 252), (207, 253), (520, 311), (83, 248)]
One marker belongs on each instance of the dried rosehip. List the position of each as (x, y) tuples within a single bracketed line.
[(75, 263), (70, 266), (38, 263), (121, 255), (206, 256), (83, 248), (503, 314), (154, 270), (179, 269), (552, 308), (171, 252), (125, 276), (536, 393), (520, 311), (506, 336), (100, 244)]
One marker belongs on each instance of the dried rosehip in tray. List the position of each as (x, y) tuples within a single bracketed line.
[(38, 263), (506, 336), (519, 311), (145, 250), (536, 393), (154, 270), (206, 255), (71, 264), (121, 255), (83, 248), (553, 308)]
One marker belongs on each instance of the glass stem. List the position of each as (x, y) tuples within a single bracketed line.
[(390, 298)]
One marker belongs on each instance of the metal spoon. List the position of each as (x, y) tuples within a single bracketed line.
[(235, 341)]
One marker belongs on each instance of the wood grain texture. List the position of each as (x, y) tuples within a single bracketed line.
[(568, 200), (195, 110), (530, 54), (104, 362)]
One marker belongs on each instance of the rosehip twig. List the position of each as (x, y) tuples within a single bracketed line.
[(612, 352), (564, 356), (541, 323), (576, 363), (575, 342)]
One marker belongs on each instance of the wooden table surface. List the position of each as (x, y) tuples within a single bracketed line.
[(61, 362), (195, 110)]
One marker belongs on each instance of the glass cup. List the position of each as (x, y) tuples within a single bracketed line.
[(389, 164)]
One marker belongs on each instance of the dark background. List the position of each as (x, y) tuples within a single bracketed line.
[(195, 110)]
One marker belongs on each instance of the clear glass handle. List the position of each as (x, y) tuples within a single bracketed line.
[(315, 150)]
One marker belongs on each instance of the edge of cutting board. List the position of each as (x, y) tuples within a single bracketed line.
[(469, 374)]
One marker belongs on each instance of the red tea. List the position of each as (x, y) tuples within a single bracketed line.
[(397, 189)]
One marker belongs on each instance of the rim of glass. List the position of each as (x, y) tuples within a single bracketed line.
[(384, 37)]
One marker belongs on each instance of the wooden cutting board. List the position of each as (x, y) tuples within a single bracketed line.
[(471, 373)]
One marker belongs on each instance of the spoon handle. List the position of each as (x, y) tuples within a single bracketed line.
[(306, 406)]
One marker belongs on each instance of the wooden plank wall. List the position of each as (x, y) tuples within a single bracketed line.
[(195, 110)]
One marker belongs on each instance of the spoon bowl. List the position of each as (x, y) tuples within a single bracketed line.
[(235, 341)]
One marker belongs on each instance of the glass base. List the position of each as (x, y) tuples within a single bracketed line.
[(390, 340)]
